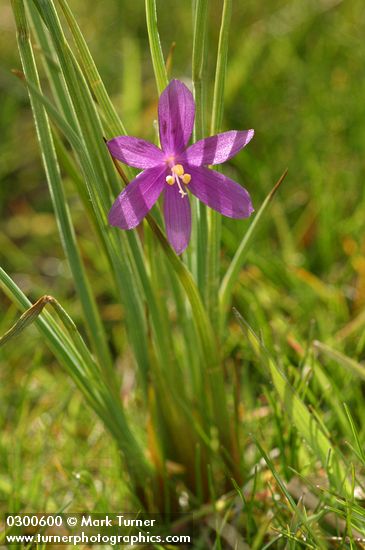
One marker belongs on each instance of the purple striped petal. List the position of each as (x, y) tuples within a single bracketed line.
[(176, 111), (177, 218), (219, 192), (137, 199), (217, 149), (135, 152)]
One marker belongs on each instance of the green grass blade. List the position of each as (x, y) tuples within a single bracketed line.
[(355, 433), (221, 68), (198, 66), (346, 362), (232, 272), (331, 393), (69, 166), (52, 67), (158, 61), (115, 126), (278, 479)]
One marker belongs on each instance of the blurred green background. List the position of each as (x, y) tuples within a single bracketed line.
[(296, 75)]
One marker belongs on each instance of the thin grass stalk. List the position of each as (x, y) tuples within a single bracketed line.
[(192, 351), (91, 315), (198, 63), (214, 232), (115, 126), (69, 166), (51, 66), (231, 275), (203, 326), (188, 349), (158, 62)]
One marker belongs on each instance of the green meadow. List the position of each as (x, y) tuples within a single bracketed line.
[(227, 382)]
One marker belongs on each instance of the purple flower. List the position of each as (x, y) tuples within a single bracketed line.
[(175, 168)]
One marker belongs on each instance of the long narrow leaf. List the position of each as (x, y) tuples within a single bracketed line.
[(232, 272), (346, 362), (158, 62), (115, 125)]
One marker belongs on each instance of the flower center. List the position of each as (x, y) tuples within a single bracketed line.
[(178, 176)]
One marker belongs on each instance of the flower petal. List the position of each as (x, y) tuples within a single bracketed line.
[(177, 218), (218, 148), (220, 193), (176, 111), (135, 152), (137, 199)]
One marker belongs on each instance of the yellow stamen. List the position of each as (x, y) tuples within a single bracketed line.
[(170, 180), (178, 169), (186, 178)]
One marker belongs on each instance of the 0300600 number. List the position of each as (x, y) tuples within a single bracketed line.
[(34, 521)]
